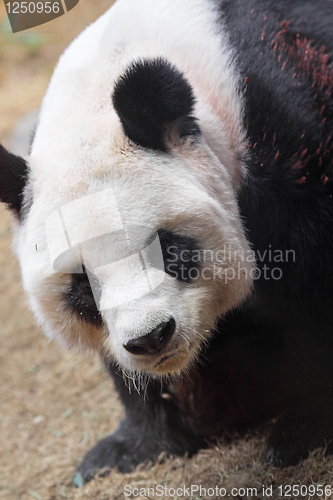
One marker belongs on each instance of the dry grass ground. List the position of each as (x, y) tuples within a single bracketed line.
[(54, 405)]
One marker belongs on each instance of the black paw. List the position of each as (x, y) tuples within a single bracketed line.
[(282, 456), (119, 450), (105, 455), (296, 435)]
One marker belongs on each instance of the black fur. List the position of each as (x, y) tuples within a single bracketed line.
[(80, 300), (272, 357), (150, 96), (13, 177), (179, 255), (152, 425), (286, 60)]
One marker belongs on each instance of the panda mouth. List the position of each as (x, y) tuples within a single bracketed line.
[(165, 358), (173, 362)]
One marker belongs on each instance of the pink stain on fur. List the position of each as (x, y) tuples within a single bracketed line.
[(308, 60)]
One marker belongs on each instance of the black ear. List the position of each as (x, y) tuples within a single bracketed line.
[(13, 177), (148, 97)]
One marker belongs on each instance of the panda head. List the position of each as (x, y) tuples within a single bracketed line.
[(127, 226)]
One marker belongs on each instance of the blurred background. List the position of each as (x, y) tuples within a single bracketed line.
[(55, 404)]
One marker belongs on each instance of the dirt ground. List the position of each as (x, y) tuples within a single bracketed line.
[(54, 404)]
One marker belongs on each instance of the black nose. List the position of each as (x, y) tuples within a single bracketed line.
[(155, 341)]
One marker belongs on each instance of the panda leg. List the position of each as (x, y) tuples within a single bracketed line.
[(152, 425), (299, 432)]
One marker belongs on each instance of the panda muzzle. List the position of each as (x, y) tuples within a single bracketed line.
[(154, 342)]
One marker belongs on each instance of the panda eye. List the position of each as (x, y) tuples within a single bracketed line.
[(80, 300), (180, 255)]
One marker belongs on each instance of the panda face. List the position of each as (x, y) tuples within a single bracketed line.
[(131, 242), (97, 295)]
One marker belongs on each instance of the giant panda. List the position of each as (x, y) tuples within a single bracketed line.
[(175, 214)]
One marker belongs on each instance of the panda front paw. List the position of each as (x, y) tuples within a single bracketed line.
[(121, 451), (298, 433), (107, 454)]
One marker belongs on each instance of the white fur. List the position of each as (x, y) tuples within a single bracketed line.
[(80, 150)]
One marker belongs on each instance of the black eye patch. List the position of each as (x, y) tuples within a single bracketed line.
[(79, 298), (181, 255)]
